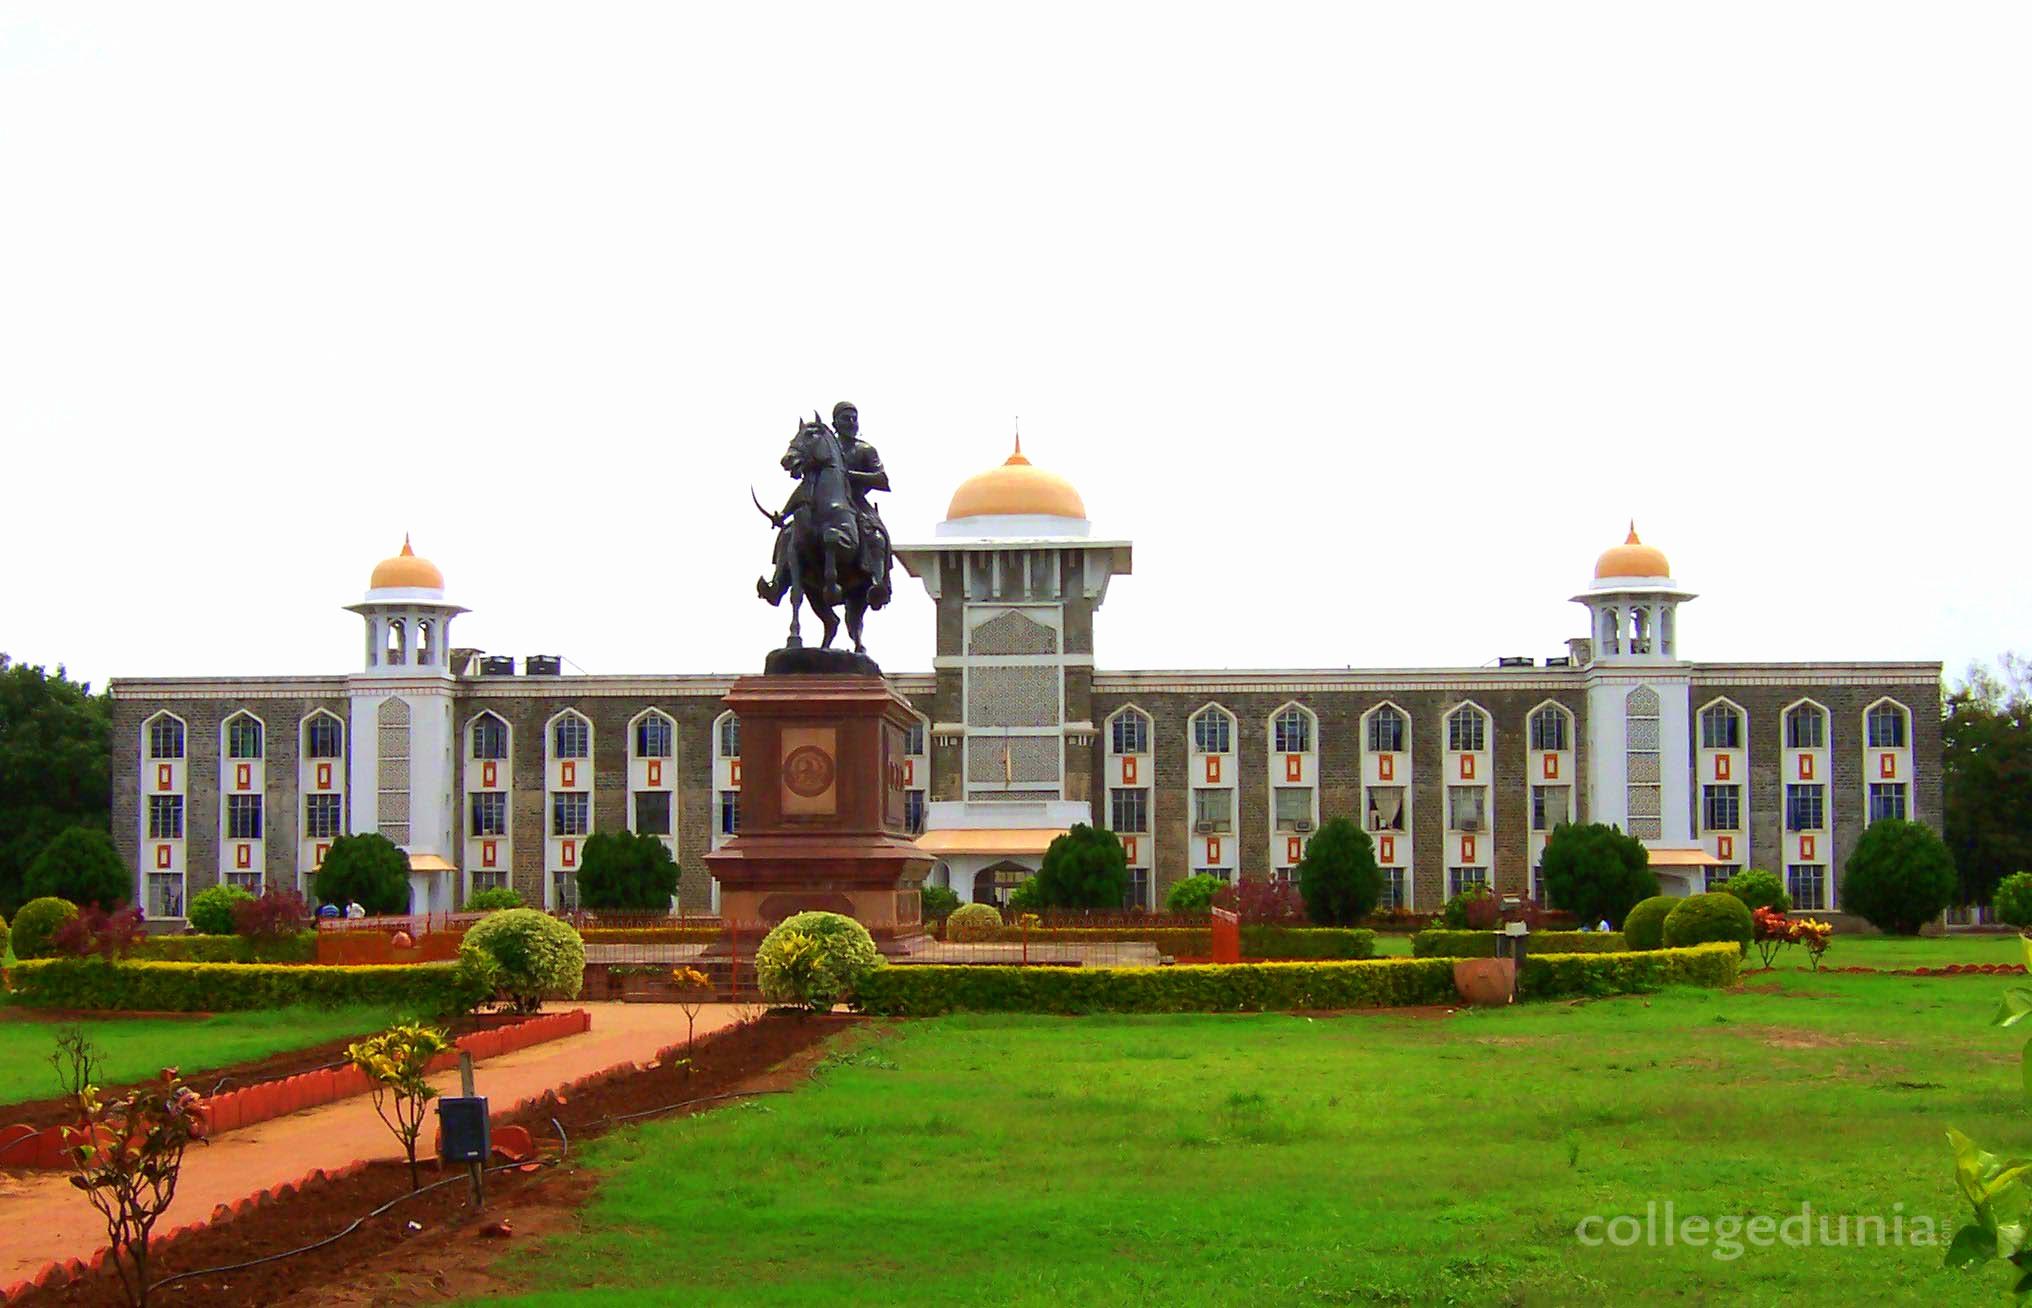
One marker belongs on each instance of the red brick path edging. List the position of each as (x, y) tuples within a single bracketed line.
[(24, 1146)]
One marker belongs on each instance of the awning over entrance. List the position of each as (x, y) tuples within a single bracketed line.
[(990, 841), (430, 863), (1695, 857)]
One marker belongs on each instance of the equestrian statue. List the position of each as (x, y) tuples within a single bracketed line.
[(831, 545)]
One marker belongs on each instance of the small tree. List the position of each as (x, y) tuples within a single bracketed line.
[(2012, 900), (82, 866), (493, 901), (1084, 868), (397, 1065), (1195, 894), (1899, 877), (694, 992), (1759, 889), (1596, 872), (938, 901), (126, 1154), (626, 870), (367, 869), (1338, 876), (211, 909)]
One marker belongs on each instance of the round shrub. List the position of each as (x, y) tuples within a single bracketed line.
[(972, 922), (534, 956), (211, 909), (1759, 889), (2012, 899), (80, 865), (938, 901), (1697, 919), (814, 960), (493, 901), (36, 925), (1899, 876), (1195, 894), (1644, 927)]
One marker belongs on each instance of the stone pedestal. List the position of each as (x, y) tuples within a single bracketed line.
[(822, 806)]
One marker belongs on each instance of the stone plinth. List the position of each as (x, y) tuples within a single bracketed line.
[(822, 806)]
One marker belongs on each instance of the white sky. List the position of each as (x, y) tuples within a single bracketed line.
[(1369, 325)]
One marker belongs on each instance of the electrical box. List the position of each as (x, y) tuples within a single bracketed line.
[(463, 1132)]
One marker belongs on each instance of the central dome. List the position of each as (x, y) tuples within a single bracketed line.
[(1633, 558), (1017, 488), (406, 571)]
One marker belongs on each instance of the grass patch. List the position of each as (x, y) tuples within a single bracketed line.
[(137, 1048), (1368, 1159)]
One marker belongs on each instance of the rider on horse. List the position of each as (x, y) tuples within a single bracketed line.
[(864, 474)]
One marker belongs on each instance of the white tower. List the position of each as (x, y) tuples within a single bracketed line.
[(402, 731), (1639, 715)]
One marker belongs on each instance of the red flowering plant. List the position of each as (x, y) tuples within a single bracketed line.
[(94, 931), (1773, 931), (126, 1153), (274, 916), (1263, 901)]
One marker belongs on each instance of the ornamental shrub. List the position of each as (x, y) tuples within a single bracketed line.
[(82, 866), (492, 901), (1899, 877), (1084, 868), (95, 932), (1759, 889), (1338, 876), (938, 902), (1195, 894), (211, 909), (2012, 899), (1701, 919), (1596, 872), (37, 924), (1644, 925), (815, 960), (971, 922), (270, 922), (627, 870), (368, 869), (1028, 897), (1460, 912), (533, 956)]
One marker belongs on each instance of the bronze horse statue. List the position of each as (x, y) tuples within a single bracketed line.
[(818, 542)]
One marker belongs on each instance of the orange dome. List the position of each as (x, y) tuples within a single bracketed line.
[(1633, 558), (1016, 488), (406, 571)]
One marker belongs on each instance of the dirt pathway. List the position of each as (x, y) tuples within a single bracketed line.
[(44, 1219)]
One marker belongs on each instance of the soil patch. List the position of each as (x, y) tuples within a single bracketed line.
[(434, 1243), (57, 1111)]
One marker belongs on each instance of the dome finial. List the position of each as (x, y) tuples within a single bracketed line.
[(1019, 433), (1632, 538), (407, 552)]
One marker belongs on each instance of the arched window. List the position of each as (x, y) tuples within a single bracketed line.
[(490, 738), (730, 737), (1806, 727), (1212, 731), (1467, 730), (1549, 729), (1721, 727), (424, 644), (1886, 725), (1129, 733), (398, 643), (653, 736), (1386, 731), (572, 737), (243, 736), (1291, 731), (165, 738), (324, 736)]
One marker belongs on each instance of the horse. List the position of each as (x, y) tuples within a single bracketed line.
[(819, 537)]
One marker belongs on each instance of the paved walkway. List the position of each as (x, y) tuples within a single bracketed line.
[(44, 1219)]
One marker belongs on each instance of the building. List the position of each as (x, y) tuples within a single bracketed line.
[(491, 777)]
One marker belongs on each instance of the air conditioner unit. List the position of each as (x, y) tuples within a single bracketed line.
[(1303, 824), (1203, 827)]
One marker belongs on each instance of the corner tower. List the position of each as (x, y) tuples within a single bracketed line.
[(1017, 576)]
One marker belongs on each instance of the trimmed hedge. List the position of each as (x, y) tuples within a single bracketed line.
[(1644, 925), (698, 935), (428, 989), (1714, 965), (911, 990), (299, 948), (1482, 944), (1262, 940), (923, 991)]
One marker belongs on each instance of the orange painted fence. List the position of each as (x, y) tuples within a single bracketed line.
[(25, 1146)]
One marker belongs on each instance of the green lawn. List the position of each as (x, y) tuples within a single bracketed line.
[(1362, 1159), (135, 1048)]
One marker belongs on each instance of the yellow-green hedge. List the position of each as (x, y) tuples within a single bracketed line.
[(427, 989), (911, 990), (1259, 940), (1482, 944), (298, 948), (698, 935)]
